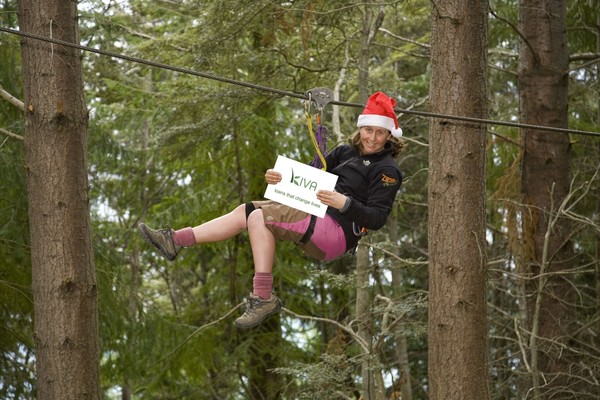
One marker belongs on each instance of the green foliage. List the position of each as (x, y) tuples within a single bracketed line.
[(326, 379), (16, 298), (171, 149)]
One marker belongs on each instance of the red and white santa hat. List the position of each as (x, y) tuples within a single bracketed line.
[(379, 111)]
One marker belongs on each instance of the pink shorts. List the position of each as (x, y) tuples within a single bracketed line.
[(327, 241)]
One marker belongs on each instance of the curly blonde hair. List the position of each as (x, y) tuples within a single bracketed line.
[(395, 143)]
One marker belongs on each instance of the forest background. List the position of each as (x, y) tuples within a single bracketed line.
[(166, 147)]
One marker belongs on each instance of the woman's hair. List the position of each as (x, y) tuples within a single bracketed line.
[(396, 144)]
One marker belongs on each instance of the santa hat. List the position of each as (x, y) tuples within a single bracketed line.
[(379, 111)]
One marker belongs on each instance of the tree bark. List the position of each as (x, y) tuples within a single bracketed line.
[(363, 317), (370, 26), (597, 250), (545, 182), (457, 246), (401, 347), (63, 275)]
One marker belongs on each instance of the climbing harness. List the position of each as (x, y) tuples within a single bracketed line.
[(321, 97)]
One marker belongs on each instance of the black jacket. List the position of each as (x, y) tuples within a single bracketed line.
[(371, 181)]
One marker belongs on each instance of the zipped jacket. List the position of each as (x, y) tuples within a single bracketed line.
[(371, 181)]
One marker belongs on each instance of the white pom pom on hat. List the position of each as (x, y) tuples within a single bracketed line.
[(379, 111)]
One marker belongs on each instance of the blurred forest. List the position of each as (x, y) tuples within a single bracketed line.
[(168, 148)]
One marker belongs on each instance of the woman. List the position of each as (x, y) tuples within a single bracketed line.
[(368, 180)]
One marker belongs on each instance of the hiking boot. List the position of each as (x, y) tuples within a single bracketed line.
[(162, 239), (257, 309)]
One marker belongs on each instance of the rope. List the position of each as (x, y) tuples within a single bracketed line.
[(322, 141), (289, 93), (316, 143)]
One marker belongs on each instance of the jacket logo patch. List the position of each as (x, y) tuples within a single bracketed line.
[(387, 181)]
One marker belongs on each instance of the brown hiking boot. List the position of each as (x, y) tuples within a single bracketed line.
[(257, 309), (162, 239)]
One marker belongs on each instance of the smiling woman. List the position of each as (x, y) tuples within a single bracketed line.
[(372, 139), (368, 180)]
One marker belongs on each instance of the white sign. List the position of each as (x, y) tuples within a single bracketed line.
[(299, 185)]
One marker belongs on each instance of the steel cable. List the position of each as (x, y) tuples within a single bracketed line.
[(302, 96)]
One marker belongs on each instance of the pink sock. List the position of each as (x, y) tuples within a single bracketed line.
[(184, 237), (263, 285)]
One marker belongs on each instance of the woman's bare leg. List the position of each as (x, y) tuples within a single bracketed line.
[(262, 242), (223, 227)]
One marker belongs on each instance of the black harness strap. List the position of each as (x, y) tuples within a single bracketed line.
[(310, 230)]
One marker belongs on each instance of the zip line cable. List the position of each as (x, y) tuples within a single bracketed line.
[(301, 96)]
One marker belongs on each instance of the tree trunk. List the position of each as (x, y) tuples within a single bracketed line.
[(401, 348), (266, 344), (363, 317), (597, 251), (371, 24), (457, 246), (370, 27), (63, 276), (545, 182)]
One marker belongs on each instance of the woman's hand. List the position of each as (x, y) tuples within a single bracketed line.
[(272, 177), (331, 198)]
